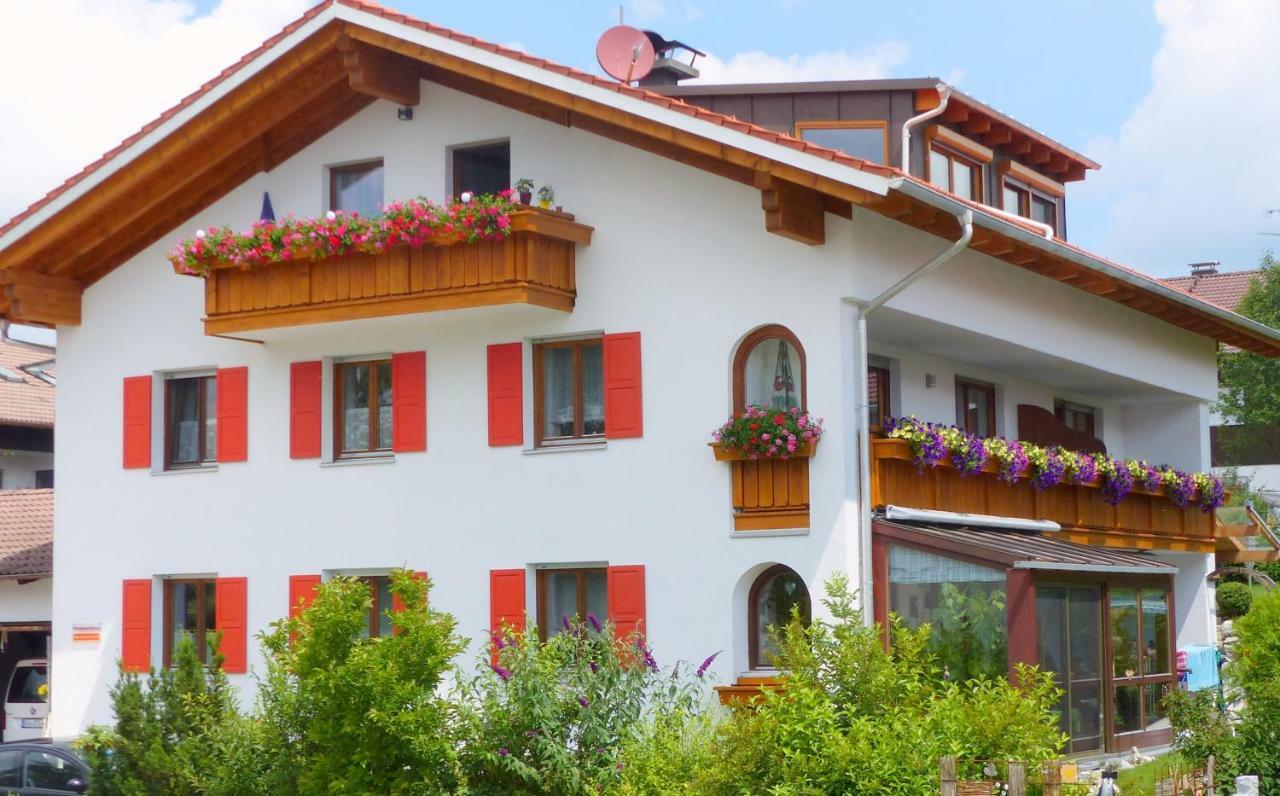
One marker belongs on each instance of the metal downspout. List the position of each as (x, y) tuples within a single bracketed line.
[(862, 422), (944, 94)]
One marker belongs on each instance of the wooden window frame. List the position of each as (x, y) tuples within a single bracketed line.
[(962, 414), (1026, 196), (205, 460), (539, 405), (884, 393), (848, 124), (348, 168), (201, 634), (1061, 407), (540, 590), (376, 609), (745, 348), (376, 447), (753, 620), (954, 156), (455, 171)]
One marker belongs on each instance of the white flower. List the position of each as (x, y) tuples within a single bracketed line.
[(466, 197), (199, 234), (331, 215)]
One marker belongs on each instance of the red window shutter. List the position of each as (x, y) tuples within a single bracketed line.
[(304, 410), (625, 586), (409, 401), (506, 599), (137, 421), (302, 592), (506, 394), (396, 603), (135, 626), (233, 414), (231, 614), (623, 399)]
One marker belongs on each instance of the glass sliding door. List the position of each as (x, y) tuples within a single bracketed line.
[(1140, 660), (1069, 621)]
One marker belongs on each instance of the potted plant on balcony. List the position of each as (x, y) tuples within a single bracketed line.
[(763, 432), (524, 187), (546, 195)]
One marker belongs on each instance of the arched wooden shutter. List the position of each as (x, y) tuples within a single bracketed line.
[(231, 616), (409, 401), (137, 421), (233, 414), (625, 586), (135, 626), (304, 410), (506, 394), (623, 393)]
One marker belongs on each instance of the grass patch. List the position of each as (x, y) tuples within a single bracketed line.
[(1141, 780)]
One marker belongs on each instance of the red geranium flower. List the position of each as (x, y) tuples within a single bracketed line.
[(779, 419)]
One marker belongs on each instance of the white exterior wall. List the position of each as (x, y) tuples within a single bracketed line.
[(26, 602), (18, 468), (678, 255)]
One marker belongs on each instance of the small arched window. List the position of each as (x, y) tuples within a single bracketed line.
[(774, 594), (768, 370)]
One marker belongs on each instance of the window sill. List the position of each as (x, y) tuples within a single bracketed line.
[(564, 447), (204, 468), (355, 462), (759, 534)]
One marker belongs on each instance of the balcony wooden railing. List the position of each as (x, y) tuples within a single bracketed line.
[(769, 494), (534, 265), (1144, 520)]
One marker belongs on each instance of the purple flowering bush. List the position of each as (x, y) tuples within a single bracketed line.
[(555, 716), (1047, 467)]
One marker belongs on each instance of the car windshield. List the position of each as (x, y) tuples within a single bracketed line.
[(29, 684)]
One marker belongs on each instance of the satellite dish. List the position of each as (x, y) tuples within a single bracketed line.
[(624, 53)]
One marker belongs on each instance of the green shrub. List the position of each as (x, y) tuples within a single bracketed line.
[(555, 716), (1256, 671), (1234, 599), (159, 744)]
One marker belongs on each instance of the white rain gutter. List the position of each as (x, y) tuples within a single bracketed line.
[(959, 518), (944, 94), (1047, 231), (862, 421)]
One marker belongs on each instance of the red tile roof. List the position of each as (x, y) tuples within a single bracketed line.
[(1224, 289), (26, 532), (28, 402), (374, 8)]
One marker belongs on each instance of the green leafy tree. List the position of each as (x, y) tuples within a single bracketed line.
[(1249, 383)]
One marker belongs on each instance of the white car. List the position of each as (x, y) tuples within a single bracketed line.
[(26, 701)]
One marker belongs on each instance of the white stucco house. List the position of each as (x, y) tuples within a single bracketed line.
[(527, 419)]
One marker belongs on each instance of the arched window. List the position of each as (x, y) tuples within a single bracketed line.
[(769, 605), (769, 370)]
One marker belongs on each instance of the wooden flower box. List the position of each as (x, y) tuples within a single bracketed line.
[(534, 265), (768, 494)]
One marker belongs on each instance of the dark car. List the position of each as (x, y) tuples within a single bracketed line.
[(41, 768)]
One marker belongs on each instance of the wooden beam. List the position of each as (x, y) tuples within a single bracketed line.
[(999, 136), (955, 113), (791, 210), (380, 73), (977, 126), (40, 298), (1020, 146)]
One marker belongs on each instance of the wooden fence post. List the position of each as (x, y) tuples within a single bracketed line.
[(1208, 778), (1052, 779), (1017, 780), (947, 775)]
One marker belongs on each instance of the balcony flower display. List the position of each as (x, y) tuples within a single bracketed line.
[(762, 432), (412, 222), (1046, 467)]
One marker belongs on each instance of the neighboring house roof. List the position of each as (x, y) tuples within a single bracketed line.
[(1224, 289), (26, 533), (300, 82), (28, 400)]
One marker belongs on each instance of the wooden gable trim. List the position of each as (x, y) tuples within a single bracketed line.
[(953, 140), (1032, 178)]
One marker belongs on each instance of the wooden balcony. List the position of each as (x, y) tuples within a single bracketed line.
[(769, 494), (533, 265), (1143, 520)]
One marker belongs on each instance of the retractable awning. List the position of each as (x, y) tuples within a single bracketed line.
[(1014, 548)]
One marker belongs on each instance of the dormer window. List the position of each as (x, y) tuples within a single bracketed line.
[(867, 139), (1029, 194), (955, 163)]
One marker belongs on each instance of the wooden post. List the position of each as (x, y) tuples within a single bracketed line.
[(947, 775), (1208, 778), (1052, 779), (1017, 779)]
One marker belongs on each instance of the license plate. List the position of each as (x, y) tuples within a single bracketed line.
[(32, 723)]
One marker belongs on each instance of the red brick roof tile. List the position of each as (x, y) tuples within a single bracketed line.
[(28, 402), (26, 532), (1224, 289)]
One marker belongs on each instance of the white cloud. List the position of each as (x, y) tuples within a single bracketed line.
[(1194, 167), (85, 74), (762, 67), (640, 12)]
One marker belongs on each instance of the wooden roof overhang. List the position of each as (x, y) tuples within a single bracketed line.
[(995, 130), (343, 54)]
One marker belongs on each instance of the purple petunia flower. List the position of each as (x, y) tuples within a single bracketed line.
[(502, 672), (702, 670), (594, 622)]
